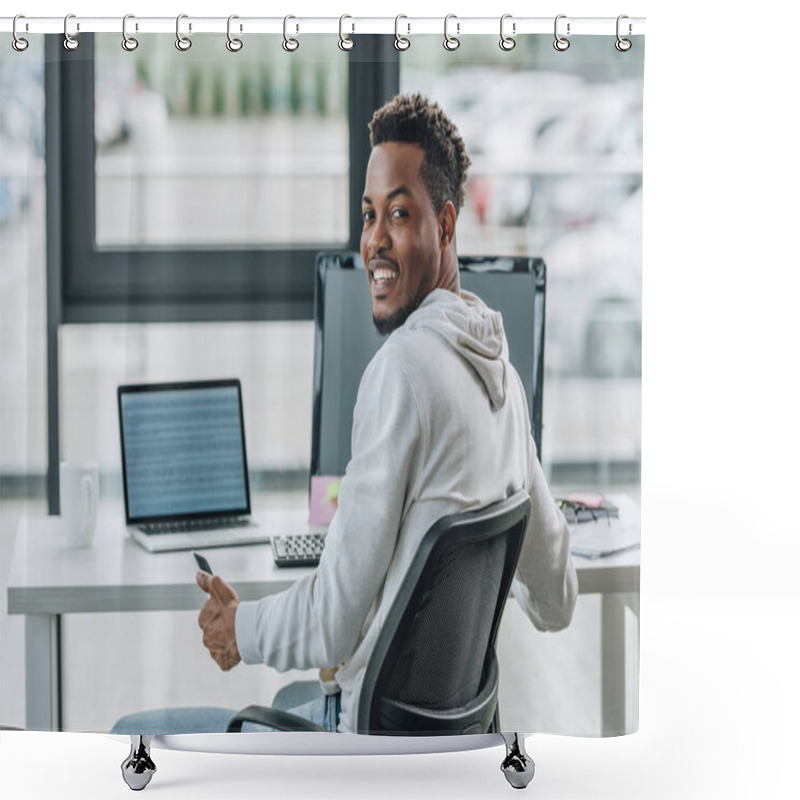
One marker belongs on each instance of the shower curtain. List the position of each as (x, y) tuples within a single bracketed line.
[(161, 210)]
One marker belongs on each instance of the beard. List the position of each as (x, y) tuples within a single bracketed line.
[(393, 321), (398, 318)]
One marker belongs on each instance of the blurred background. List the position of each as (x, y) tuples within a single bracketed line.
[(196, 149), (207, 149)]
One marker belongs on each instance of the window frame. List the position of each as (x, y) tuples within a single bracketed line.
[(180, 283)]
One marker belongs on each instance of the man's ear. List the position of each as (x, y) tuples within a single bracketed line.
[(447, 223)]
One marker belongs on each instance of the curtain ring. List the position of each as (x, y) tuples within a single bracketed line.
[(451, 42), (183, 43), (400, 42), (70, 42), (345, 42), (289, 45), (623, 45), (233, 44), (128, 42), (18, 43), (507, 42), (561, 43)]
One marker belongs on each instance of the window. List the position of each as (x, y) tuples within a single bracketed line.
[(200, 185), (208, 148), (555, 140), (23, 327)]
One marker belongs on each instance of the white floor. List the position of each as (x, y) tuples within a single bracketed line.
[(117, 663)]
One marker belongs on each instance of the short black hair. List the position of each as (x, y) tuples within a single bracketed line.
[(413, 119)]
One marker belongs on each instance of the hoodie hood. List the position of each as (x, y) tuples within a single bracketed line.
[(473, 330)]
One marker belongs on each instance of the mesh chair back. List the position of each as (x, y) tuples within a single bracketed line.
[(450, 622), (433, 670)]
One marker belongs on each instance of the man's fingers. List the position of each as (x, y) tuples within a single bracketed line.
[(216, 587), (216, 620), (222, 591), (205, 613), (203, 580), (225, 659)]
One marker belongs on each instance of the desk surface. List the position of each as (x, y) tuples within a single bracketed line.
[(617, 573), (115, 574)]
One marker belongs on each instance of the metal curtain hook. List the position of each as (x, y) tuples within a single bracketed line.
[(623, 45), (507, 42), (561, 43), (70, 42), (345, 42), (18, 43), (233, 44), (451, 42), (400, 42), (128, 42), (183, 43), (289, 45)]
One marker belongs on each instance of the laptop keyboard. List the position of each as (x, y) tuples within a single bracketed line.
[(192, 525)]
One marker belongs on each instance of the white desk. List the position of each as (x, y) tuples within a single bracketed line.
[(48, 580)]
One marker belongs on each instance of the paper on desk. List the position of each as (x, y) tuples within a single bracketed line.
[(324, 498), (605, 537)]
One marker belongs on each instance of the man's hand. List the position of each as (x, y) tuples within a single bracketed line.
[(218, 620)]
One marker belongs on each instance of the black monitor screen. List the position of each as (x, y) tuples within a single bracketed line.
[(346, 340)]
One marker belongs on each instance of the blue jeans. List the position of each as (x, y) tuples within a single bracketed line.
[(304, 698)]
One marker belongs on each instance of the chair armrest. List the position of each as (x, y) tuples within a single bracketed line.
[(273, 718)]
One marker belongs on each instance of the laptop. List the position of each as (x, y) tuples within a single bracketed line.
[(184, 465)]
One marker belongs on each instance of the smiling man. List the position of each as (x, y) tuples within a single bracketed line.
[(440, 426), (408, 238)]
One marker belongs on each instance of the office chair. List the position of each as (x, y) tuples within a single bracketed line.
[(434, 670)]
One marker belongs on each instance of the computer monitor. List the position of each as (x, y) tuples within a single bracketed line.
[(346, 340)]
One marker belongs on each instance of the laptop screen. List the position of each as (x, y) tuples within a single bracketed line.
[(183, 450)]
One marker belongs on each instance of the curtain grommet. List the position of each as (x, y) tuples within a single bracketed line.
[(233, 44), (129, 43), (451, 43), (561, 43), (18, 42), (623, 45), (183, 43), (507, 43), (401, 43), (289, 44), (70, 42), (345, 42)]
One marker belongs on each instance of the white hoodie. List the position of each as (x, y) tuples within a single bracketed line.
[(440, 426)]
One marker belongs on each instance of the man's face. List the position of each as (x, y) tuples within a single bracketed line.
[(401, 238)]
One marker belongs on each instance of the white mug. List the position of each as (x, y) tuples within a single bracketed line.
[(78, 492)]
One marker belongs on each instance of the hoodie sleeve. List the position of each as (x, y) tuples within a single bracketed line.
[(545, 585), (318, 621)]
